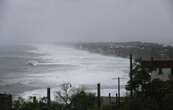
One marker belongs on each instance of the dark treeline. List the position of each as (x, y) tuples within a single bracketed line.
[(123, 49)]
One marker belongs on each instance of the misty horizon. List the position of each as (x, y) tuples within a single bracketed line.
[(26, 21)]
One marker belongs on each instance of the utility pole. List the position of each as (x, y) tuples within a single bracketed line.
[(130, 74)]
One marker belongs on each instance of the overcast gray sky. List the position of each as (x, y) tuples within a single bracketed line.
[(86, 20)]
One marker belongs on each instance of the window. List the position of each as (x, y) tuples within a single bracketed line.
[(160, 71)]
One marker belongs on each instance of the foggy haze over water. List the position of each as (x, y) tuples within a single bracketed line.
[(85, 20), (56, 65)]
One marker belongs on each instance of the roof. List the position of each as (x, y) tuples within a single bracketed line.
[(158, 63)]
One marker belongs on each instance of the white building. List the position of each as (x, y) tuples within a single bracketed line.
[(162, 69)]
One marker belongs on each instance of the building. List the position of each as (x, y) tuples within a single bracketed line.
[(162, 69)]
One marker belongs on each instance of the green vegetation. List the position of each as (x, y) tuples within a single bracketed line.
[(66, 99), (148, 94), (41, 104)]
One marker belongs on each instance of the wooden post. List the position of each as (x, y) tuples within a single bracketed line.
[(34, 99), (48, 96), (118, 90), (130, 74), (116, 98), (98, 97), (110, 101)]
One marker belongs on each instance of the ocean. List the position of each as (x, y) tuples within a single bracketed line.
[(27, 70)]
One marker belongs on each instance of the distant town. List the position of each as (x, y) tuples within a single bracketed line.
[(144, 50)]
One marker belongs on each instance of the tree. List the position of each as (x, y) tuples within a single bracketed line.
[(148, 94), (140, 77), (64, 95), (75, 99)]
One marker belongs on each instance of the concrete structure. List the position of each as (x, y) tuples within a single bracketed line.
[(162, 69), (5, 102)]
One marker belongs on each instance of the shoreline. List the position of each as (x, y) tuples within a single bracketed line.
[(89, 64)]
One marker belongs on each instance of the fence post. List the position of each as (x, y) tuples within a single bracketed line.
[(98, 97), (110, 100), (119, 90), (116, 98), (48, 96), (130, 74), (34, 99)]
